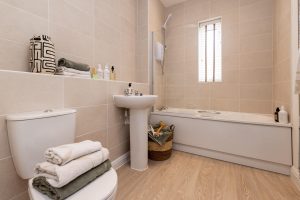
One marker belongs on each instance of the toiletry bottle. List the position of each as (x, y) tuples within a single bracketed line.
[(276, 114), (100, 71), (94, 73), (283, 116), (130, 90), (106, 72), (112, 73)]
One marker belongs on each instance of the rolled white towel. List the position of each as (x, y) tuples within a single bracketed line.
[(58, 176), (63, 154)]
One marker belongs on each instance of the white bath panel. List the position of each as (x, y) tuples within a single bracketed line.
[(266, 147)]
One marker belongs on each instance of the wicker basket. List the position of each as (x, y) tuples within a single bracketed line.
[(160, 152)]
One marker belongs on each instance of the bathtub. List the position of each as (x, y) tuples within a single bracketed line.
[(253, 140)]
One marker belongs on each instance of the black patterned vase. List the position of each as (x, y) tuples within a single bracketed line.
[(42, 55)]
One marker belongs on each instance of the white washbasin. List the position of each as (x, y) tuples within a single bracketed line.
[(139, 109), (135, 102)]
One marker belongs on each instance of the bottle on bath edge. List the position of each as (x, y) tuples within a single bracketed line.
[(276, 114), (106, 72), (100, 71), (283, 116)]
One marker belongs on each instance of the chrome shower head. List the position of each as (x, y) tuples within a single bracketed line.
[(164, 26)]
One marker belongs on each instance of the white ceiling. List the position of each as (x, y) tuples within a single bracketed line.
[(168, 3)]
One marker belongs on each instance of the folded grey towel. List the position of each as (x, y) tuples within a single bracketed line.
[(71, 64), (40, 183)]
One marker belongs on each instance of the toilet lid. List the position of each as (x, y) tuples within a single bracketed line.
[(101, 188)]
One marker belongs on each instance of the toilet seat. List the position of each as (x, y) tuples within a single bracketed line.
[(102, 188)]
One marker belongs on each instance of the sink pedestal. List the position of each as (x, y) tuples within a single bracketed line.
[(139, 139), (139, 107)]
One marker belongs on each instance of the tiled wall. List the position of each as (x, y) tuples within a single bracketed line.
[(156, 19), (141, 72), (282, 54), (89, 31), (247, 56), (97, 117)]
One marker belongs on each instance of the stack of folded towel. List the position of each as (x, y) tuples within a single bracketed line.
[(69, 168), (70, 68)]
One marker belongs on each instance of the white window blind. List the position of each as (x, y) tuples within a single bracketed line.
[(210, 51)]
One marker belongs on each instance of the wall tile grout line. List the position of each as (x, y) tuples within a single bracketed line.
[(23, 10)]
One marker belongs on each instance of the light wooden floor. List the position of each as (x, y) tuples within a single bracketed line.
[(187, 176)]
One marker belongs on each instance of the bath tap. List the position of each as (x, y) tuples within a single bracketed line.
[(163, 108)]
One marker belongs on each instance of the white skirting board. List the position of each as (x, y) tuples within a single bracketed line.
[(122, 160), (295, 176), (259, 164)]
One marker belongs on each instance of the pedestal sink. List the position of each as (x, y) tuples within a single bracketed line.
[(139, 107)]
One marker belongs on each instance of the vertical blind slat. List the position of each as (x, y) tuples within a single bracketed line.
[(210, 51)]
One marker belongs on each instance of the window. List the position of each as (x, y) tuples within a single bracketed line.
[(210, 51)]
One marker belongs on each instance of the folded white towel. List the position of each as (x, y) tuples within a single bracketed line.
[(58, 176), (73, 75), (70, 70), (63, 154)]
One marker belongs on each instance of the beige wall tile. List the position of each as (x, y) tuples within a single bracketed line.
[(10, 51), (10, 183), (225, 104), (196, 10), (262, 26), (91, 119), (4, 145), (174, 102), (37, 7), (65, 14), (100, 136), (117, 135), (230, 61), (86, 6), (220, 90), (174, 92), (28, 92), (114, 89), (177, 67), (256, 60), (119, 150), (256, 10), (116, 116), (256, 76), (173, 79), (197, 103), (64, 38), (257, 43), (219, 6), (19, 26), (230, 76), (256, 92), (282, 71), (84, 92), (254, 106)]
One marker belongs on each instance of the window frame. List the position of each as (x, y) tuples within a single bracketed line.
[(201, 24)]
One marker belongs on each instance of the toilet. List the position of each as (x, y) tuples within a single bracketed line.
[(30, 134)]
